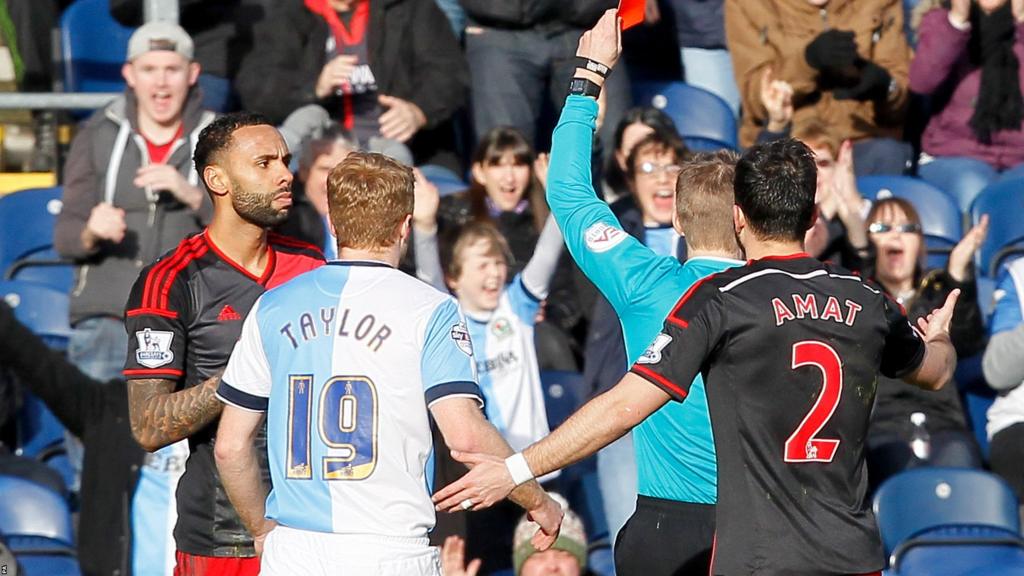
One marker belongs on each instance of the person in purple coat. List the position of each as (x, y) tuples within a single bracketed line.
[(968, 60)]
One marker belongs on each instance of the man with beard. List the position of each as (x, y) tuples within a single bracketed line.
[(184, 315)]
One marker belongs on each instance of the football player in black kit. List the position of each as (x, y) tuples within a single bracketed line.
[(789, 349), (185, 314)]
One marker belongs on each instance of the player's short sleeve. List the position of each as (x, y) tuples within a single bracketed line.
[(1007, 312), (525, 303), (447, 365), (904, 349), (156, 320), (689, 336), (247, 379)]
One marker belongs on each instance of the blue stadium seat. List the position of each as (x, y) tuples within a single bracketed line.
[(977, 397), (699, 115), (563, 394), (447, 182), (697, 144), (27, 218), (48, 564), (962, 552), (33, 518), (93, 47), (945, 506), (1004, 204), (941, 218), (43, 309), (40, 434)]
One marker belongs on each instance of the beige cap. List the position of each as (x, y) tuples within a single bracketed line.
[(154, 36)]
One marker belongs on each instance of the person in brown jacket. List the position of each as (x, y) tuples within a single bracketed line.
[(847, 61)]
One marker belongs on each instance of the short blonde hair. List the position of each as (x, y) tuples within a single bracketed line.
[(368, 197), (704, 200), (471, 234)]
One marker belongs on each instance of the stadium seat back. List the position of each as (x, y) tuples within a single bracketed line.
[(45, 267), (40, 434), (48, 564), (941, 218), (1004, 204), (42, 308), (32, 516), (94, 46), (27, 218), (920, 499), (698, 114), (563, 394)]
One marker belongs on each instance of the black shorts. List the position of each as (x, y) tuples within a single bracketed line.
[(666, 538)]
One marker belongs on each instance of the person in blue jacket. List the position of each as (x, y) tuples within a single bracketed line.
[(676, 471)]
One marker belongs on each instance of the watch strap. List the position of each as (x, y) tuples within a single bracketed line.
[(584, 87)]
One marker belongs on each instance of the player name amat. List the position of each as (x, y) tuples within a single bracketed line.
[(326, 322), (809, 306)]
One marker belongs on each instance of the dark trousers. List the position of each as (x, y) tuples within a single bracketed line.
[(1006, 455), (666, 538), (515, 71)]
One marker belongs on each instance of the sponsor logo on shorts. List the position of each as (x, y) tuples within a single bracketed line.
[(601, 237), (154, 348)]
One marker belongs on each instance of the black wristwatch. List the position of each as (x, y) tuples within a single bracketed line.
[(584, 87)]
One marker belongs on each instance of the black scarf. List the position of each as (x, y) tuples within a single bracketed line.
[(999, 105)]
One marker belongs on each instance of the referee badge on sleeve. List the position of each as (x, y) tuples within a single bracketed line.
[(653, 353), (154, 348), (601, 237), (461, 337)]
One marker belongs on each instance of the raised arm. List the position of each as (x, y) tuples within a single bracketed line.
[(942, 40), (541, 268), (612, 259), (424, 233)]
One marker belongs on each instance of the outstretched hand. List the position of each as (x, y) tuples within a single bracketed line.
[(487, 483), (549, 516), (936, 325), (426, 201)]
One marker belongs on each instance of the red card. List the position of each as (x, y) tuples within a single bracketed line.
[(631, 12)]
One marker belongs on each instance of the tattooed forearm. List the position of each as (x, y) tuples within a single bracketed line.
[(160, 417)]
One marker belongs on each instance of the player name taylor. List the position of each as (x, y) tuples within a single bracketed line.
[(327, 322), (798, 307)]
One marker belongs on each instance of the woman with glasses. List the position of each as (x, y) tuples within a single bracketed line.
[(894, 229)]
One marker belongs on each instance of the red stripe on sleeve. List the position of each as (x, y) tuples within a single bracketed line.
[(658, 378), (152, 311), (157, 372)]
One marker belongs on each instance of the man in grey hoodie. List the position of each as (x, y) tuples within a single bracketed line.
[(130, 190)]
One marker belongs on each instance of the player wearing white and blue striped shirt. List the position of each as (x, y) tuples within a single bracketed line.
[(346, 361)]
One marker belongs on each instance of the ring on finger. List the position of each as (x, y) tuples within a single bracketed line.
[(466, 504)]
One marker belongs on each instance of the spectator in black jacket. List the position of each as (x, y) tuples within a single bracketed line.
[(390, 71), (222, 31), (117, 474), (521, 51)]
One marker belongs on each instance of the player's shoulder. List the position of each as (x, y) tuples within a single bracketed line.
[(292, 248), (168, 272)]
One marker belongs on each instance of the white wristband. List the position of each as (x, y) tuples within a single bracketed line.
[(518, 468)]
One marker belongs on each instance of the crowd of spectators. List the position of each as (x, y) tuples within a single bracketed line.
[(469, 90)]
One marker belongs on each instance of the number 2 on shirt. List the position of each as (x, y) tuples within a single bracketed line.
[(802, 446), (347, 423)]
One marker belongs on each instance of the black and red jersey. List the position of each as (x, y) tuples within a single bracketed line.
[(183, 318), (789, 349)]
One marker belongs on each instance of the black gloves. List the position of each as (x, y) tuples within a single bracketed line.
[(832, 50), (873, 84)]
